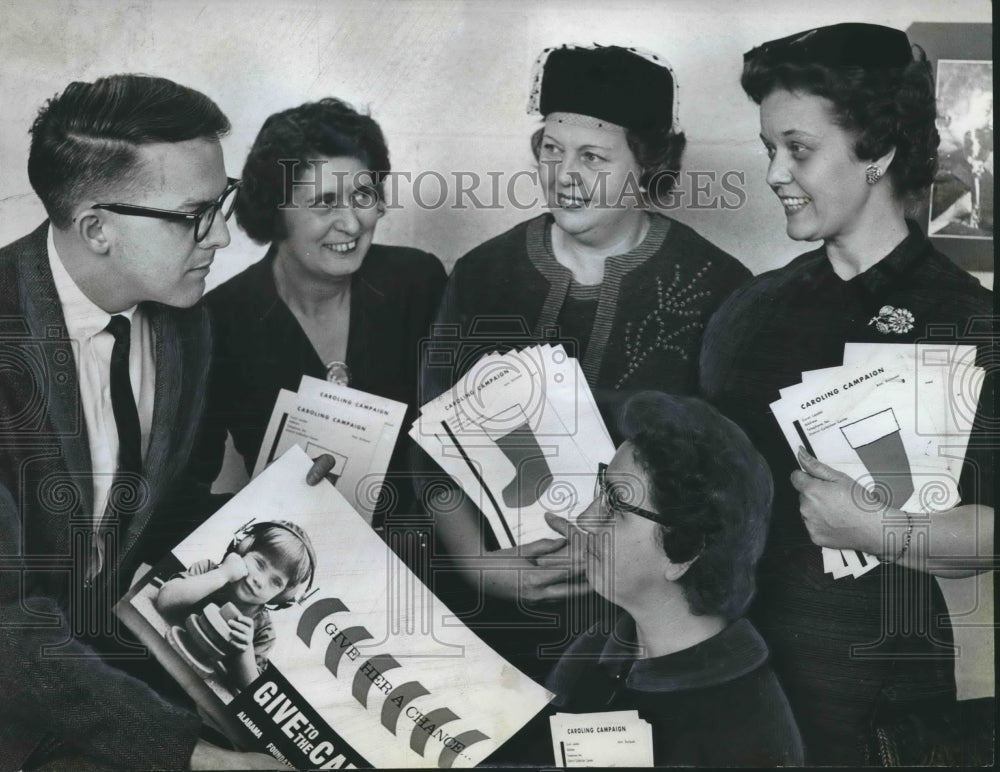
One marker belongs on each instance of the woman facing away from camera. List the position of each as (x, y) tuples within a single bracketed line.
[(847, 117), (626, 289), (677, 524), (325, 300)]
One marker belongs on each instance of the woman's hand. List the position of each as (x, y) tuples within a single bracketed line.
[(572, 554), (542, 570), (322, 466), (828, 504)]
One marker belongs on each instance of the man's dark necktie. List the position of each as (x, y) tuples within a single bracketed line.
[(123, 399), (106, 540)]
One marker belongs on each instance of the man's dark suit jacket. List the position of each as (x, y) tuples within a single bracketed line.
[(53, 684)]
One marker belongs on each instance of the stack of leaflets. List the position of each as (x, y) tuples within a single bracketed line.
[(364, 667), (521, 434), (896, 418), (612, 739), (358, 429)]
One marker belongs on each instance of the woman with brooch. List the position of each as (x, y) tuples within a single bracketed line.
[(624, 288), (325, 300), (847, 117)]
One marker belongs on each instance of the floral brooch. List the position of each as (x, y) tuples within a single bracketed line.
[(891, 319)]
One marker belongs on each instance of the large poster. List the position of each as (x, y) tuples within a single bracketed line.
[(349, 674)]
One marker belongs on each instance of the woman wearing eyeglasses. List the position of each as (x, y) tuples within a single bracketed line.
[(625, 288), (847, 117), (325, 300), (672, 538)]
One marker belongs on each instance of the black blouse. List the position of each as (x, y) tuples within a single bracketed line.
[(260, 348), (715, 704), (799, 317)]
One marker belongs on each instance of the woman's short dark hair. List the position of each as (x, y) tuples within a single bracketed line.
[(708, 475), (888, 107), (84, 141), (658, 154), (299, 136)]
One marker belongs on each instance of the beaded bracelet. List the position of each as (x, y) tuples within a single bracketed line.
[(906, 538)]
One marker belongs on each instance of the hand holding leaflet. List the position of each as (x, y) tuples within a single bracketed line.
[(884, 428), (366, 665), (831, 515), (358, 430)]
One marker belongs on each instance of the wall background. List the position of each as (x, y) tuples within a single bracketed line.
[(448, 81)]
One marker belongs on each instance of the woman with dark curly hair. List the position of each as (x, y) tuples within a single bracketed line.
[(847, 118), (678, 522), (626, 289), (325, 300)]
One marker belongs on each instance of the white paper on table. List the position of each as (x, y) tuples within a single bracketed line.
[(610, 739)]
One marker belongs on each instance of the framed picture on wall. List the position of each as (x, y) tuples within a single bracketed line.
[(961, 198), (958, 212)]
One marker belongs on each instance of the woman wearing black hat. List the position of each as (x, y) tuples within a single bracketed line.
[(848, 121), (626, 289)]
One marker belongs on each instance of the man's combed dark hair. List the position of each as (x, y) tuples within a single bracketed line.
[(84, 141), (288, 144), (717, 488), (888, 107), (658, 154)]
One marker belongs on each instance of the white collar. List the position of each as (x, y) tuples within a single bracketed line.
[(84, 318)]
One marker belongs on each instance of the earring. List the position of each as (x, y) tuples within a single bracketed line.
[(873, 174)]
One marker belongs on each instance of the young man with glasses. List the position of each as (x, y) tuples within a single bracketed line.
[(104, 365), (672, 538)]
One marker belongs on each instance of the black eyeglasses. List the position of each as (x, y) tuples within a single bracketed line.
[(611, 498), (203, 218)]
